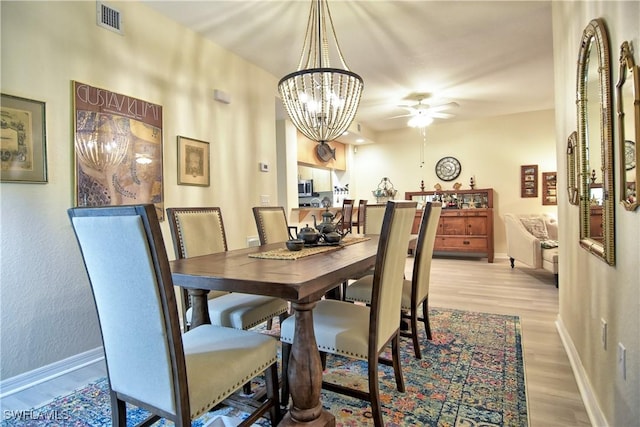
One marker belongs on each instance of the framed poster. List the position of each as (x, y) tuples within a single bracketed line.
[(118, 149), (549, 189), (529, 181), (193, 162), (23, 151)]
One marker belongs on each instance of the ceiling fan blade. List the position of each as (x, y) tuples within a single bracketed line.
[(444, 106), (397, 117), (441, 115), (408, 107)]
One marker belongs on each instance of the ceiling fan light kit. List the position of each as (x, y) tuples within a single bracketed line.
[(422, 114), (321, 101), (420, 121)]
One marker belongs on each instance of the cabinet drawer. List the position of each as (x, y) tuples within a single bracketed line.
[(463, 243)]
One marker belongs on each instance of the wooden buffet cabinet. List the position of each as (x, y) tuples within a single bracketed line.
[(466, 221)]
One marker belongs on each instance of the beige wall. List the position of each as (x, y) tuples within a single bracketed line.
[(492, 150), (46, 309), (591, 290)]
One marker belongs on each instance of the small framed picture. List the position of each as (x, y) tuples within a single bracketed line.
[(529, 181), (23, 148), (193, 162), (549, 189)]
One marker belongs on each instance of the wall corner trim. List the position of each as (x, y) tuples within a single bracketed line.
[(586, 391)]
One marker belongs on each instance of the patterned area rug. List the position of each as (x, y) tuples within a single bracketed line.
[(471, 374)]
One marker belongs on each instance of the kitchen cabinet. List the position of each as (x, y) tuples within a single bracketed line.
[(321, 178), (307, 154), (466, 221)]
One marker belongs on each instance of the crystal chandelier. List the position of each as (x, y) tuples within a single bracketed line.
[(101, 140), (320, 100)]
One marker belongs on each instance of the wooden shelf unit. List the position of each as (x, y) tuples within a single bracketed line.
[(466, 221)]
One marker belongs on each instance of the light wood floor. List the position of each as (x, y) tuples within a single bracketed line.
[(466, 284)]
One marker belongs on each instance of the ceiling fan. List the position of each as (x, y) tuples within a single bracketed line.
[(422, 111)]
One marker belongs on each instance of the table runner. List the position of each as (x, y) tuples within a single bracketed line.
[(286, 254)]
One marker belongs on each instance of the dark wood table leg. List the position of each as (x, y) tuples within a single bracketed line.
[(200, 312), (305, 374)]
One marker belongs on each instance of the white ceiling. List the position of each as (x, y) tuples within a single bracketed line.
[(490, 57)]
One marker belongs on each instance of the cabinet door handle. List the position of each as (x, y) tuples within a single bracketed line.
[(465, 242)]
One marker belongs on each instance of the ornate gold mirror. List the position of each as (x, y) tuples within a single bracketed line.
[(628, 97), (595, 143), (572, 186)]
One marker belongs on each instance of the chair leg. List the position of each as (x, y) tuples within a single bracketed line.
[(118, 411), (323, 360), (425, 318), (414, 334), (269, 324), (271, 375), (284, 393), (374, 392), (246, 388), (397, 368)]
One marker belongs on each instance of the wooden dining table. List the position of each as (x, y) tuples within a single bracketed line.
[(303, 282)]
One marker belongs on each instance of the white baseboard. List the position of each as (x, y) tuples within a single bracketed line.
[(46, 373), (586, 391)]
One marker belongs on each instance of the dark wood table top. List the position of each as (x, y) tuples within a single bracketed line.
[(303, 280)]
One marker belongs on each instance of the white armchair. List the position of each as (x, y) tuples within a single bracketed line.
[(533, 240)]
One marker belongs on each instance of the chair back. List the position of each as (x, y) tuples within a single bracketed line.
[(347, 216), (126, 261), (374, 215), (424, 250), (388, 276), (272, 225), (362, 209), (197, 231)]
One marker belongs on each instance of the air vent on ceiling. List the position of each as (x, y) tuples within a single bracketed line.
[(109, 18)]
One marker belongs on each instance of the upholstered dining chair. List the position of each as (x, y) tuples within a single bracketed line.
[(374, 215), (363, 332), (272, 225), (200, 231), (360, 217), (150, 364), (415, 292), (346, 217)]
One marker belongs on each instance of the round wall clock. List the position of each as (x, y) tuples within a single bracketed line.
[(448, 168)]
